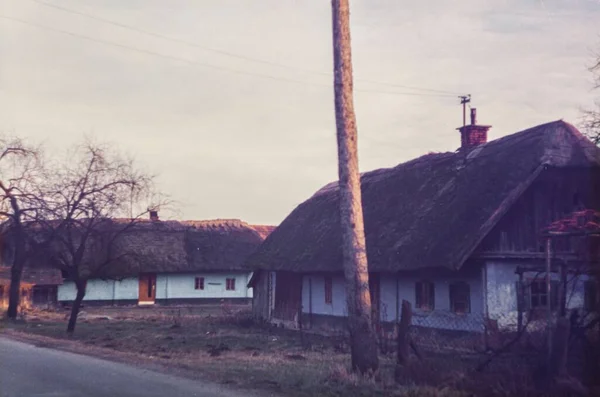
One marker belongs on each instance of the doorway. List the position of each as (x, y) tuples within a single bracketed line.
[(147, 289)]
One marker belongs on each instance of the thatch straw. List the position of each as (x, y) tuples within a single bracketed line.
[(429, 212)]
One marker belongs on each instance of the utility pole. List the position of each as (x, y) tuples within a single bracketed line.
[(363, 341)]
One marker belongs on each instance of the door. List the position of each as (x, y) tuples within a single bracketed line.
[(147, 289), (288, 296)]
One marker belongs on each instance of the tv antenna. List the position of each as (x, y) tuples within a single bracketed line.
[(464, 99)]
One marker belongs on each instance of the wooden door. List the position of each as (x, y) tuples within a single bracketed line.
[(147, 289), (288, 296)]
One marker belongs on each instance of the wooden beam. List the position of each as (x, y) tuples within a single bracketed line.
[(526, 255)]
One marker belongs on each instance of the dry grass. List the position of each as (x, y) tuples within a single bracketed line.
[(221, 344)]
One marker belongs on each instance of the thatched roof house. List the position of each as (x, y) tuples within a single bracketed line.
[(156, 246), (184, 246), (429, 212)]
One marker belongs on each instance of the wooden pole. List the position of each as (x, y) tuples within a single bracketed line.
[(549, 294), (520, 303), (403, 337), (563, 290)]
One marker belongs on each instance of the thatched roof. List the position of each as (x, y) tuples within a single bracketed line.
[(35, 276), (429, 212), (180, 246), (167, 246)]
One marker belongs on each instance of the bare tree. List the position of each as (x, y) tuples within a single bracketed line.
[(20, 171), (88, 210), (591, 117), (363, 340)]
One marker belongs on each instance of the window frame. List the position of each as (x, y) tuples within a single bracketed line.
[(199, 283), (425, 295), (453, 290), (230, 284), (552, 299)]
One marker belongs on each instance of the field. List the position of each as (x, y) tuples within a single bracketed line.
[(221, 344)]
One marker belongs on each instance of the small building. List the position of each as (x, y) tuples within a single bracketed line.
[(177, 262), (456, 234), (39, 287)]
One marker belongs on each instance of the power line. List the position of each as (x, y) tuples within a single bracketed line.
[(226, 53), (208, 65)]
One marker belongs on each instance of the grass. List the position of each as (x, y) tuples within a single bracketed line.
[(224, 346)]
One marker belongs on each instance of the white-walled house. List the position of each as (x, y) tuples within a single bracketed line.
[(456, 234), (178, 262), (170, 288)]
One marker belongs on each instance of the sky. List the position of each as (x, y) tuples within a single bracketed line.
[(230, 102)]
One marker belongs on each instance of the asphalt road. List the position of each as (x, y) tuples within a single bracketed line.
[(28, 371)]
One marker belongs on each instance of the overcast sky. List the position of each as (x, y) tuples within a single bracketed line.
[(255, 143)]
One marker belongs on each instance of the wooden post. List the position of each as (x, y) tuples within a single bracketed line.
[(558, 354), (520, 302), (549, 294), (403, 336), (363, 344), (563, 290), (310, 309)]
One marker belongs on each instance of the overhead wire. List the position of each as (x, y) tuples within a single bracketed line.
[(228, 53), (204, 64)]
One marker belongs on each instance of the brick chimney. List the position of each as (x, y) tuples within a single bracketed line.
[(473, 135), (153, 215)]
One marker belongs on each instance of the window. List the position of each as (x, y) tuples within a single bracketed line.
[(460, 297), (538, 294), (328, 290), (1, 292), (230, 284), (199, 283), (425, 295), (590, 296), (24, 293)]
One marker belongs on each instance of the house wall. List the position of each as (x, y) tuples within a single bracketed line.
[(261, 307), (554, 195), (502, 290), (102, 290), (316, 283), (403, 287), (182, 286), (168, 287)]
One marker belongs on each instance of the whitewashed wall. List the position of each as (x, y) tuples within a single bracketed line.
[(442, 317), (102, 290), (502, 291), (182, 286), (404, 288), (337, 307), (168, 286)]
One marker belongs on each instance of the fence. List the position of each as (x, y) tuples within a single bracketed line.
[(530, 356)]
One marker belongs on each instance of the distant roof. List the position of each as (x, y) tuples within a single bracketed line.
[(429, 212), (175, 246)]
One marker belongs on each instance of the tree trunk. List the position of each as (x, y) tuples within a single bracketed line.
[(15, 275), (14, 293), (363, 341), (80, 285)]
